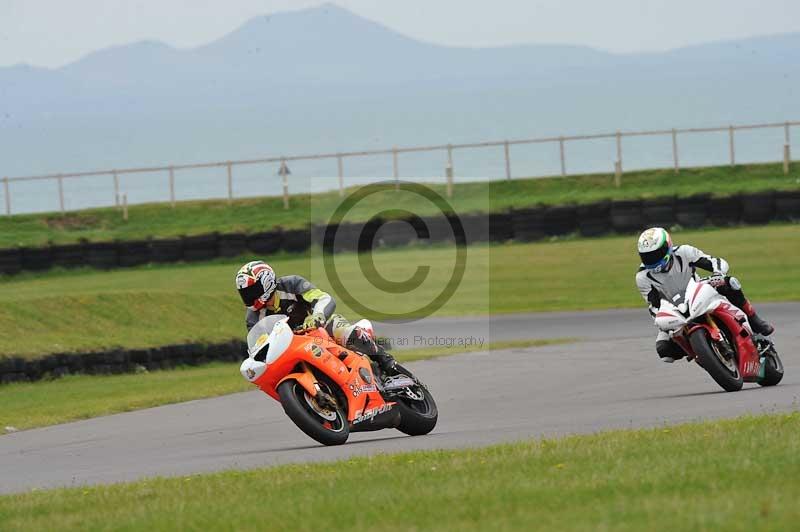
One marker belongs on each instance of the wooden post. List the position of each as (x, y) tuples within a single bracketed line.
[(508, 160), (733, 150), (61, 193), (563, 158), (450, 157), (230, 183), (786, 139), (395, 170), (7, 195), (787, 158), (617, 174), (116, 188), (340, 164), (284, 172), (172, 186), (448, 171), (619, 150), (675, 151), (125, 207)]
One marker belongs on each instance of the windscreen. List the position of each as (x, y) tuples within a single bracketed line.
[(262, 328)]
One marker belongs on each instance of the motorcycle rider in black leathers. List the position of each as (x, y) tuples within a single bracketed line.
[(665, 272), (307, 307)]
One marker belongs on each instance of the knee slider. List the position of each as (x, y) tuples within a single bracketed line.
[(668, 348)]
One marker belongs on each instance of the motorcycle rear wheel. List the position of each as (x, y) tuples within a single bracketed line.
[(328, 427), (417, 417), (773, 370), (712, 361)]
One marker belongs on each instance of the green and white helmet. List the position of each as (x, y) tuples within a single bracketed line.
[(655, 249)]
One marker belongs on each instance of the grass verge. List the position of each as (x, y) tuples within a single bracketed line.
[(77, 397), (258, 214), (739, 474), (153, 306)]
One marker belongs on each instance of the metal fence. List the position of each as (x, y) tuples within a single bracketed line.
[(395, 152)]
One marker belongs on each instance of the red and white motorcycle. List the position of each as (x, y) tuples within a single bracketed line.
[(718, 336)]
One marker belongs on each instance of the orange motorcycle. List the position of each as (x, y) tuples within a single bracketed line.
[(329, 391)]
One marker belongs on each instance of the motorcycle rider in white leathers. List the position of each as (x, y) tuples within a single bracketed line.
[(665, 272)]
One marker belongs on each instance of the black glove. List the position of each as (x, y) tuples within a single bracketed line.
[(717, 280)]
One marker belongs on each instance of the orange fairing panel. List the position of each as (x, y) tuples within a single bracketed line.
[(305, 379)]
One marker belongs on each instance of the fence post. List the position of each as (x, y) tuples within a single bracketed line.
[(7, 194), (787, 158), (450, 157), (230, 183), (786, 139), (617, 174), (733, 150), (448, 171), (125, 207), (340, 165), (563, 159), (116, 188), (172, 186), (508, 160), (675, 151), (395, 170), (61, 193), (284, 172), (619, 149)]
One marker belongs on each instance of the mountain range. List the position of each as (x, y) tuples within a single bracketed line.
[(328, 52), (325, 79)]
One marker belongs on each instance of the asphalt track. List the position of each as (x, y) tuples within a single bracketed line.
[(610, 379)]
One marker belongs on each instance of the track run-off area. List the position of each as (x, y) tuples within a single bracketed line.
[(609, 378)]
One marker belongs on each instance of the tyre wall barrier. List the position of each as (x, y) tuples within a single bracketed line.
[(528, 224), (692, 211), (725, 211), (116, 361), (524, 225), (626, 216), (787, 206), (594, 219)]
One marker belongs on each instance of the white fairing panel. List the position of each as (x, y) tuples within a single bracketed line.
[(271, 333), (252, 369), (702, 298), (279, 340), (669, 317)]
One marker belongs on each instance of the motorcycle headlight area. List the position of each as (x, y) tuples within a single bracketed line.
[(252, 369)]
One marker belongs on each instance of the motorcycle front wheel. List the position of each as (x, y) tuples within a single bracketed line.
[(724, 371), (325, 425)]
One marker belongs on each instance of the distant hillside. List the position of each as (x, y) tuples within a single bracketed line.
[(324, 79), (328, 50)]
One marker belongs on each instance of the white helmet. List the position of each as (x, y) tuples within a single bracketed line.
[(655, 249), (255, 282)]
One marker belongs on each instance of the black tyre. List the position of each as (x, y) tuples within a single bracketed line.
[(418, 411), (724, 372), (773, 369), (327, 426)]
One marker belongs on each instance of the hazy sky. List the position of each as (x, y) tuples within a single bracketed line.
[(55, 32)]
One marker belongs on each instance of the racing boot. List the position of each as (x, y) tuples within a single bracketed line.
[(669, 351), (758, 324), (733, 291), (362, 341)]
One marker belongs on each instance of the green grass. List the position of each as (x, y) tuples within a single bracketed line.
[(153, 306), (740, 474), (252, 215), (76, 397)]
